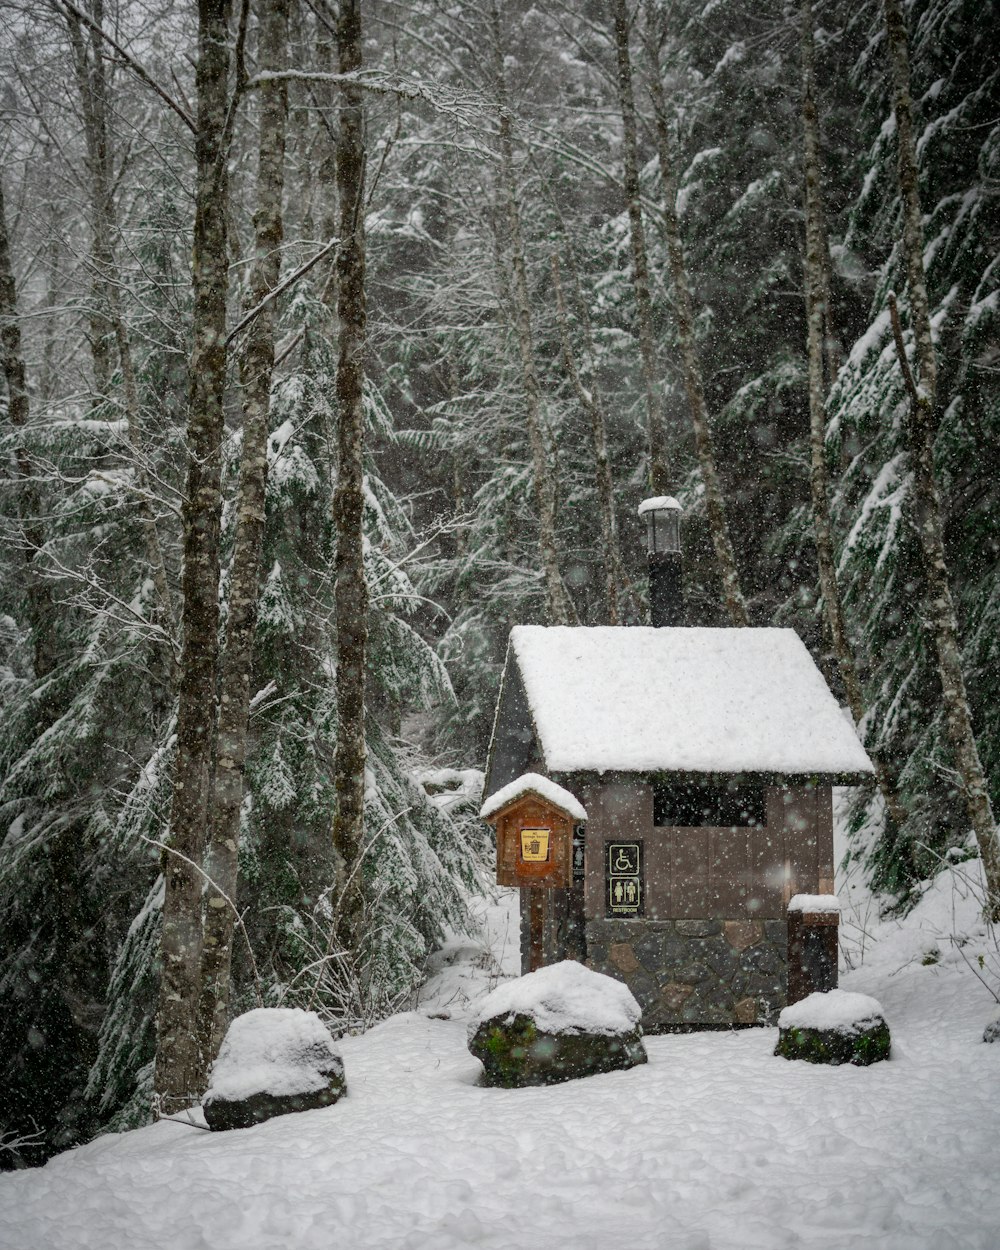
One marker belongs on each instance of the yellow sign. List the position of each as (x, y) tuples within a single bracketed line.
[(535, 845)]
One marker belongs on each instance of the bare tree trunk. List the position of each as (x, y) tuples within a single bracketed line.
[(40, 612), (913, 231), (659, 475), (326, 172), (926, 498), (351, 589), (180, 1063), (590, 402), (831, 339), (47, 368), (559, 605), (459, 473), (92, 86), (715, 504), (817, 323), (236, 664)]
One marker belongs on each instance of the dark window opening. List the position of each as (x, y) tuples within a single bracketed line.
[(690, 805)]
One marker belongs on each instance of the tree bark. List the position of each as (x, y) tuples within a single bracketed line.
[(558, 603), (351, 589), (39, 607), (659, 475), (180, 1062), (831, 339), (94, 103), (817, 329), (326, 170), (590, 402), (715, 504), (920, 429), (459, 473), (236, 664)]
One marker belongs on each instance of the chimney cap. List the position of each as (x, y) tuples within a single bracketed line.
[(661, 503), (663, 530)]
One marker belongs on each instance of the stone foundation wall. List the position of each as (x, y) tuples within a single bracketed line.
[(695, 972)]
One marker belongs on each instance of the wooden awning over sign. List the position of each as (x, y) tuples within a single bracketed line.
[(534, 843)]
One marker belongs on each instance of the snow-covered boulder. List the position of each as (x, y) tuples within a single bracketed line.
[(272, 1061), (835, 1027), (558, 1023), (992, 1031), (453, 790)]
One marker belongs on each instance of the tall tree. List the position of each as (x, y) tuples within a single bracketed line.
[(715, 503), (921, 386), (93, 89), (818, 333), (351, 590), (180, 1062), (511, 256), (236, 663), (592, 403), (659, 474), (38, 593)]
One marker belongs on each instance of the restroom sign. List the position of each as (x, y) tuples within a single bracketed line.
[(623, 878), (579, 854)]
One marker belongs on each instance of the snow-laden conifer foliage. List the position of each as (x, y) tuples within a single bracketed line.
[(516, 375)]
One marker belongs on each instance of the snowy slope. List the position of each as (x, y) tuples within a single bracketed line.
[(714, 1145)]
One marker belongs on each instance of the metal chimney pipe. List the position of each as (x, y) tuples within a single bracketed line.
[(663, 548)]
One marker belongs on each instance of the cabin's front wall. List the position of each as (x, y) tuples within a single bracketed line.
[(711, 946)]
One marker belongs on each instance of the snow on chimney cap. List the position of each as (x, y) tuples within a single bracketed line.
[(814, 903), (659, 504)]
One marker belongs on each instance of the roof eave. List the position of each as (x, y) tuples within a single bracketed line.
[(746, 776), (496, 816), (496, 721)]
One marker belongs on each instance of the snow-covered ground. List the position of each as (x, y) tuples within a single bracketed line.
[(713, 1145)]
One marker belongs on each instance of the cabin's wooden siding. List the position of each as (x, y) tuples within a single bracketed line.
[(698, 873)]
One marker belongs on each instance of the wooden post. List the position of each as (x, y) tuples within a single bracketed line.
[(813, 933), (536, 928)]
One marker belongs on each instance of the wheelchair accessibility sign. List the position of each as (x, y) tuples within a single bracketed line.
[(623, 878)]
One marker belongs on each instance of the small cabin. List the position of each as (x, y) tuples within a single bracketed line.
[(692, 773)]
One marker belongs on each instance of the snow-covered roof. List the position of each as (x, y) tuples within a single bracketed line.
[(640, 699), (533, 783)]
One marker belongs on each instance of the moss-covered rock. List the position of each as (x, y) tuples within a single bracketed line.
[(835, 1046), (559, 1023), (514, 1052), (834, 1027), (228, 1113)]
